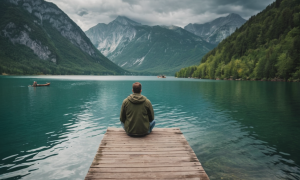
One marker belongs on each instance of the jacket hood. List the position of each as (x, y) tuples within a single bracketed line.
[(136, 98)]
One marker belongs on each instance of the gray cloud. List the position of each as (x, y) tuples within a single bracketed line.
[(88, 13), (82, 12)]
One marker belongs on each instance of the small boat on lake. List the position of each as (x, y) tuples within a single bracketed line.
[(35, 84), (47, 84), (162, 76)]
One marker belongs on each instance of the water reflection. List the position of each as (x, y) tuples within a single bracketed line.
[(238, 130), (243, 135)]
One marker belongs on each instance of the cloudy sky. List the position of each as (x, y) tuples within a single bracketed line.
[(88, 13)]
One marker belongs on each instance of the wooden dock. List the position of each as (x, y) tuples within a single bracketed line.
[(164, 154)]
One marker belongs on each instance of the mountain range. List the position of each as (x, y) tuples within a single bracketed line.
[(217, 30), (148, 49), (36, 37)]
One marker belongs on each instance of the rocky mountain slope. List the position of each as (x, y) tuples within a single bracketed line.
[(39, 38), (147, 49), (218, 29)]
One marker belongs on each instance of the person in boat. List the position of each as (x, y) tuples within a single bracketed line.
[(137, 115), (34, 84)]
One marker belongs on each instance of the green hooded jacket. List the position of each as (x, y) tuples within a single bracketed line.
[(136, 114)]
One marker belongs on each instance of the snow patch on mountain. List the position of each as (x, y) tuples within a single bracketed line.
[(123, 64), (139, 61)]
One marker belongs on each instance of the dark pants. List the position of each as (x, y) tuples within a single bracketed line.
[(152, 124)]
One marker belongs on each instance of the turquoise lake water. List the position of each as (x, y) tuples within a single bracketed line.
[(238, 129)]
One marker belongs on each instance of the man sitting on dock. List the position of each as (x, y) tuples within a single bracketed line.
[(137, 116)]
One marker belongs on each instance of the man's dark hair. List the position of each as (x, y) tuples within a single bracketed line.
[(136, 87)]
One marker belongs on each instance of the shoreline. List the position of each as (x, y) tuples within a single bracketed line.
[(224, 79), (240, 79)]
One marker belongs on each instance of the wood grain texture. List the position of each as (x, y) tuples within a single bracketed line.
[(163, 154)]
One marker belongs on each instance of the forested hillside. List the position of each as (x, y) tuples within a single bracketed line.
[(267, 46), (36, 37)]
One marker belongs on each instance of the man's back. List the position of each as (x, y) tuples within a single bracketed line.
[(136, 114)]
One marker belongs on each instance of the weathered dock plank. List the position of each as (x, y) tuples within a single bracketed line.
[(164, 154)]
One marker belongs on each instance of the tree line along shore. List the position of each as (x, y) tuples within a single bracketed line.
[(248, 79)]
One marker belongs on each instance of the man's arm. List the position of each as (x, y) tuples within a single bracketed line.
[(123, 113), (150, 111)]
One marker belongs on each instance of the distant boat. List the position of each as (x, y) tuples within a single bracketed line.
[(43, 84), (163, 76), (47, 84)]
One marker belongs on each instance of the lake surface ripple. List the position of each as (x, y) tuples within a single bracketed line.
[(238, 129)]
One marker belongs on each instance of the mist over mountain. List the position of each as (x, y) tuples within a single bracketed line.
[(217, 30), (147, 49), (36, 37)]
